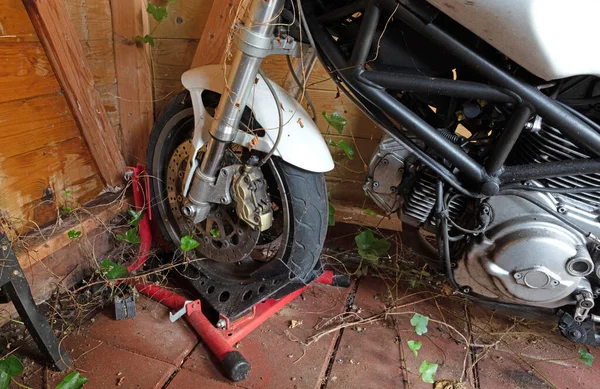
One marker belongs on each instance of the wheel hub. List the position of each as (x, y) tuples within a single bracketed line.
[(223, 237)]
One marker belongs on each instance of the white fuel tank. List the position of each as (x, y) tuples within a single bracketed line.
[(551, 38)]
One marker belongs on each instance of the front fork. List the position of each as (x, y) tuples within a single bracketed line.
[(253, 42)]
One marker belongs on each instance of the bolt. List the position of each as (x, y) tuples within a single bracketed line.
[(224, 173), (561, 209), (180, 174), (256, 218), (575, 334), (179, 198), (188, 210), (224, 200), (221, 323), (554, 283), (518, 276), (246, 179), (385, 162), (375, 184), (392, 189), (466, 289)]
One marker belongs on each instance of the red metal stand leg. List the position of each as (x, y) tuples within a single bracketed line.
[(221, 342)]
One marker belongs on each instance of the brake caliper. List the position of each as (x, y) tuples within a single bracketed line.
[(253, 204)]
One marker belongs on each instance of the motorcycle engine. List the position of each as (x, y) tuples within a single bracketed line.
[(526, 255)]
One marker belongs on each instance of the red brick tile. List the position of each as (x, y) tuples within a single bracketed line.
[(104, 365), (500, 369), (150, 333), (186, 379), (277, 361), (368, 356)]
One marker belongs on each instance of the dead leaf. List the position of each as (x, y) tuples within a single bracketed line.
[(295, 323), (449, 384), (120, 381), (300, 123)]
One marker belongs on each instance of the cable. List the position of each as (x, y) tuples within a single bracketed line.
[(278, 104), (301, 86), (581, 116), (530, 188)]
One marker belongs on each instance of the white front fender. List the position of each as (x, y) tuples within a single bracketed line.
[(301, 143)]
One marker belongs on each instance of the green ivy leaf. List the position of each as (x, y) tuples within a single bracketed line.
[(188, 243), (11, 366), (158, 13), (215, 233), (112, 271), (67, 192), (346, 148), (369, 212), (586, 357), (73, 234), (5, 380), (73, 381), (335, 121), (136, 216), (331, 220), (370, 247), (414, 347), (65, 211), (428, 371), (144, 39), (131, 236), (414, 283), (420, 323)]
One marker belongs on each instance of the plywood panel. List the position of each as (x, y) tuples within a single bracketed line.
[(186, 19), (34, 124), (33, 177), (15, 25), (91, 18), (25, 71), (99, 56), (172, 57)]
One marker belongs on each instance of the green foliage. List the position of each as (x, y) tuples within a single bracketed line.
[(420, 323), (428, 371), (10, 367), (73, 234), (346, 148), (415, 347), (144, 39), (370, 247), (112, 271), (73, 381), (586, 357), (158, 13), (331, 220), (369, 212), (136, 216), (335, 121), (188, 243), (65, 211), (131, 236), (67, 192), (215, 233)]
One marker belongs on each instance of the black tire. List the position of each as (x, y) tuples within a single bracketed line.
[(306, 194)]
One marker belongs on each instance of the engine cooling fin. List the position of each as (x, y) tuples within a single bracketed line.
[(548, 145)]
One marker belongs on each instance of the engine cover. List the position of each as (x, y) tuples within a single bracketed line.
[(526, 256)]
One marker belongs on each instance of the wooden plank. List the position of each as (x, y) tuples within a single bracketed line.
[(62, 47), (185, 21), (134, 78), (172, 57), (164, 91), (34, 124), (91, 19), (15, 25), (26, 71), (99, 56), (31, 181), (351, 214), (109, 95), (215, 33)]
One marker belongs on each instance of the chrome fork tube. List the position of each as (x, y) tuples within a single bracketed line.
[(254, 42)]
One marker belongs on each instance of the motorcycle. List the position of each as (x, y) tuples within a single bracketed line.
[(491, 117)]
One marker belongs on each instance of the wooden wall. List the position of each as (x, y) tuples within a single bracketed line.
[(42, 152)]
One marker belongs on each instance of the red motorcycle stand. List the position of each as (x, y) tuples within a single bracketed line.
[(220, 341)]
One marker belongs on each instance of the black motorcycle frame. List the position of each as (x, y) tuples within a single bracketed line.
[(367, 88)]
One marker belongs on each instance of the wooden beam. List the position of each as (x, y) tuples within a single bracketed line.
[(214, 38), (348, 213), (57, 34), (134, 78)]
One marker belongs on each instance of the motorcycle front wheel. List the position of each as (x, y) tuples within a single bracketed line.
[(229, 250)]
